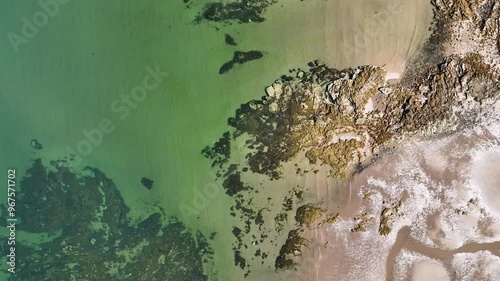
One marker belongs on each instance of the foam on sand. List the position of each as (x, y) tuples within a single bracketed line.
[(445, 190), (476, 266), (484, 177)]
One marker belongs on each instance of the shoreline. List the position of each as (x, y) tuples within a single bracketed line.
[(344, 119)]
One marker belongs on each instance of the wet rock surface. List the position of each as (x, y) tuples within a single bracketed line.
[(92, 237)]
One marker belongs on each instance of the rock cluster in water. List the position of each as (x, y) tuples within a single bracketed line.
[(90, 236)]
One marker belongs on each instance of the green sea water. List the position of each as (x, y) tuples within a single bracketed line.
[(66, 78)]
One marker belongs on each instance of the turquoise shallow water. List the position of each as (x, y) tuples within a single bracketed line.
[(66, 78)]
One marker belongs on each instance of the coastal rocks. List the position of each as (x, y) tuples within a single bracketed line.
[(341, 118), (291, 249), (362, 222), (90, 233), (351, 92), (323, 103), (274, 90), (478, 19), (240, 58), (458, 10), (150, 226), (308, 214), (219, 152), (387, 217), (443, 86), (233, 184)]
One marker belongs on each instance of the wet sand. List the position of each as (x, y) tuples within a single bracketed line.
[(405, 242)]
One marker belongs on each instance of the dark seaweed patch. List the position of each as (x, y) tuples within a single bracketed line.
[(229, 40), (244, 11), (233, 184), (240, 58), (87, 220), (148, 183)]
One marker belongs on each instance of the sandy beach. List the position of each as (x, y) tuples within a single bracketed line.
[(380, 32)]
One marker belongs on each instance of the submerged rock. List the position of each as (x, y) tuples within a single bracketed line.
[(240, 58), (90, 231), (36, 145), (229, 40), (148, 183)]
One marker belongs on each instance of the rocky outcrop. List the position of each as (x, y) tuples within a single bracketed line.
[(340, 116), (89, 225)]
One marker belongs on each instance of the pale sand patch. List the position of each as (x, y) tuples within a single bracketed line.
[(429, 270), (476, 266), (376, 32), (416, 267), (485, 175), (343, 33)]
